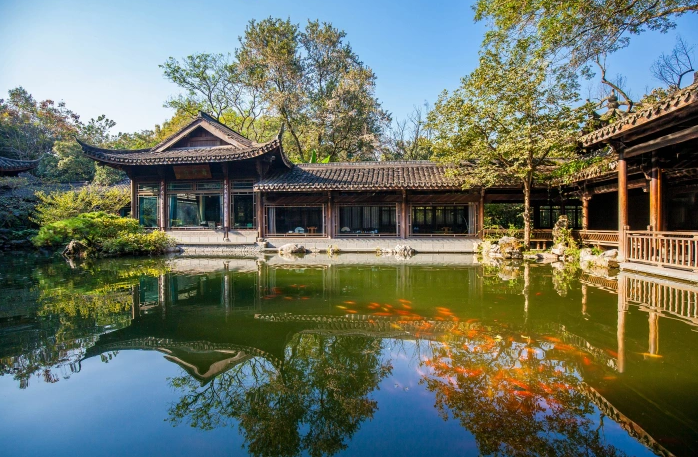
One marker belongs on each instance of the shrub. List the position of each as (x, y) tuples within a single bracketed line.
[(57, 205), (137, 244), (103, 235)]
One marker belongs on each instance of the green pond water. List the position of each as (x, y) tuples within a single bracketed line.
[(352, 355)]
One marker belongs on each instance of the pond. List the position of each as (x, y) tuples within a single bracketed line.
[(351, 355)]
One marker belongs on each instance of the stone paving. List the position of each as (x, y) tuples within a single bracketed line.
[(420, 245), (193, 241)]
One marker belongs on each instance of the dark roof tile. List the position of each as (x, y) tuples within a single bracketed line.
[(361, 176), (17, 165)]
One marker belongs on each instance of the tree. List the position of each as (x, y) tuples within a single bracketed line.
[(580, 29), (410, 138), (671, 68), (215, 84), (28, 129), (309, 80), (65, 162), (508, 120)]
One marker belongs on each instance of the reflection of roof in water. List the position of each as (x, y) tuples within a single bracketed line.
[(203, 360)]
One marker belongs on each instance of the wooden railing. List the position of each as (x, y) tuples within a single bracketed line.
[(597, 237), (664, 249), (536, 234), (677, 299), (591, 237)]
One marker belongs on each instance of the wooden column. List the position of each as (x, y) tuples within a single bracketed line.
[(654, 333), (622, 203), (481, 212), (585, 211), (620, 331), (330, 216), (259, 201), (136, 305), (162, 295), (654, 194), (134, 199), (162, 198), (656, 198), (404, 232), (226, 201)]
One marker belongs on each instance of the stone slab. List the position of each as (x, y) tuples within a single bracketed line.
[(682, 275)]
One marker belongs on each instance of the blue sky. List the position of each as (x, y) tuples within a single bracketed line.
[(101, 57)]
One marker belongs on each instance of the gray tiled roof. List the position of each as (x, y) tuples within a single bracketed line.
[(177, 156), (213, 122), (239, 148), (678, 101), (361, 176), (17, 165)]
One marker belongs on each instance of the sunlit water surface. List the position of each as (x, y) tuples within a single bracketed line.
[(354, 355)]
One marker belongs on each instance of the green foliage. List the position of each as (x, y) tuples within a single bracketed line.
[(67, 163), (313, 158), (499, 215), (509, 118), (579, 30), (28, 128), (309, 80), (567, 171), (107, 176), (103, 234), (57, 205), (154, 242)]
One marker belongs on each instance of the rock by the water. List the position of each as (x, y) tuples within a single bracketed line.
[(292, 248), (546, 257), (559, 249), (403, 251), (75, 249)]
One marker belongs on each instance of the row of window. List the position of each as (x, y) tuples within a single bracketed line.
[(197, 204)]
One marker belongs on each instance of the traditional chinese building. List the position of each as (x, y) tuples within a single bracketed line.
[(207, 183), (648, 198)]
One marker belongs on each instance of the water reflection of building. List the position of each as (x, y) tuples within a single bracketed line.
[(169, 319)]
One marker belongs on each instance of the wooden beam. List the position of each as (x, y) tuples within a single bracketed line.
[(585, 211), (662, 142), (634, 184)]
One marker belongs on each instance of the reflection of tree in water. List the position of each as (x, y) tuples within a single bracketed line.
[(565, 274), (75, 305), (515, 397), (313, 403)]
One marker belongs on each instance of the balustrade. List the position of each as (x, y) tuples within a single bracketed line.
[(664, 249)]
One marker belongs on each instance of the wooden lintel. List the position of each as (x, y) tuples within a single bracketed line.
[(613, 187), (662, 142)]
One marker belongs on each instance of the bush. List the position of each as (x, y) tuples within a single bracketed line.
[(57, 205), (137, 244), (103, 235)]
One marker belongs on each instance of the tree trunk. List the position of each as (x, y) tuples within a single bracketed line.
[(287, 120), (527, 214)]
